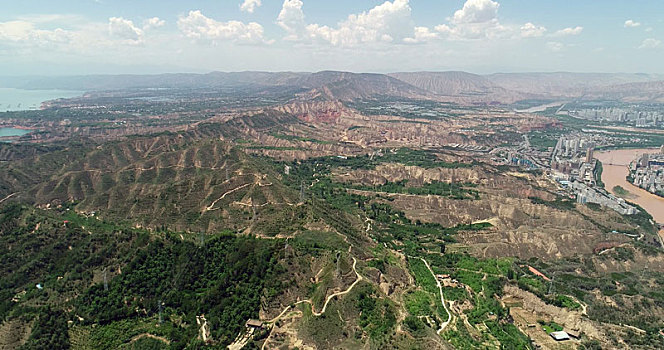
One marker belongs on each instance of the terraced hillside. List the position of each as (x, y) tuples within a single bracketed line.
[(167, 180)]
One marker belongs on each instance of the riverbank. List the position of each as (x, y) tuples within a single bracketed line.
[(614, 175)]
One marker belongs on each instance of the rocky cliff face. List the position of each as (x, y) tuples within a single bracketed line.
[(461, 87), (315, 111)]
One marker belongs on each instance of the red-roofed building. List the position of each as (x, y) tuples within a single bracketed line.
[(537, 273)]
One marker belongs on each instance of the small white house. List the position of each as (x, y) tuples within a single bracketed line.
[(559, 336)]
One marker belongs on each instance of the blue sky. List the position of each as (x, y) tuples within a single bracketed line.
[(482, 36)]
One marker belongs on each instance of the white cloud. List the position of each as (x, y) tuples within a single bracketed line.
[(34, 38), (154, 22), (199, 27), (477, 19), (568, 31), (530, 30), (631, 24), (555, 46), (124, 29), (474, 31), (16, 30), (26, 33), (476, 11), (421, 35), (388, 22), (650, 43), (291, 18), (250, 5)]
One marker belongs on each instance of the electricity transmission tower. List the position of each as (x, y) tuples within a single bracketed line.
[(161, 309), (105, 279)]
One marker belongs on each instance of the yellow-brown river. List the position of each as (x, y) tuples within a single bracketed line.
[(615, 172)]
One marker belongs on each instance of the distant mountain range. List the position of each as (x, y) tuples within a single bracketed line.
[(460, 87)]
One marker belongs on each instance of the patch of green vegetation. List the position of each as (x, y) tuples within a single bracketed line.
[(460, 338), (297, 138), (418, 303), (509, 335), (599, 170), (543, 140), (437, 188), (422, 275), (566, 302), (147, 343), (120, 334), (49, 332), (321, 166), (414, 325), (531, 284), (643, 219), (423, 159), (340, 323), (281, 220), (485, 308), (620, 191), (549, 327), (452, 293), (583, 287), (622, 254), (275, 148), (377, 315), (316, 242)]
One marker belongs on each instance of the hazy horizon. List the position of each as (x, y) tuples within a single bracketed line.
[(204, 72)]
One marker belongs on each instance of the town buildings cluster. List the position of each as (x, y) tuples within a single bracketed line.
[(572, 159), (639, 116), (574, 167), (647, 172)]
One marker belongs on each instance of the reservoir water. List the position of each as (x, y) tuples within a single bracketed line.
[(5, 132), (22, 100)]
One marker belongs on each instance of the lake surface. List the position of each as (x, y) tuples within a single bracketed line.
[(4, 132), (615, 171), (22, 100)]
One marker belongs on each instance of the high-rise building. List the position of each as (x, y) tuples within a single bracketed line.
[(589, 154), (644, 160)]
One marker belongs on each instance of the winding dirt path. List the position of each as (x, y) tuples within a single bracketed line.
[(308, 301), (331, 296), (148, 335), (10, 196), (442, 298), (327, 300), (211, 206)]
